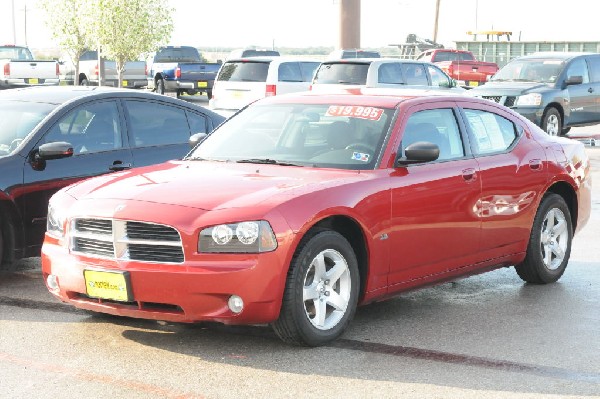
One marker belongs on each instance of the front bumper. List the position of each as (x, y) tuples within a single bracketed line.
[(534, 114), (189, 292)]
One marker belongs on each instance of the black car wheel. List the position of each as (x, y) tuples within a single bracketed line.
[(160, 86), (549, 245), (321, 292), (551, 122)]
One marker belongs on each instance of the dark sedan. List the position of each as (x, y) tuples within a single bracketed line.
[(54, 136)]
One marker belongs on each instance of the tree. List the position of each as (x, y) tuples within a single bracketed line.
[(127, 29), (69, 22)]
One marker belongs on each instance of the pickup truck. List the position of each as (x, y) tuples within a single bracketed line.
[(20, 69), (134, 75), (461, 65), (180, 69)]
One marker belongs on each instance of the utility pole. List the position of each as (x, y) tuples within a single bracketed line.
[(25, 10), (13, 23), (435, 25)]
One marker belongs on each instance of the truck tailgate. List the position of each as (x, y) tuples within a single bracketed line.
[(33, 69)]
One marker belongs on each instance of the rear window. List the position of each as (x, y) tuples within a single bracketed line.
[(180, 54), (360, 54), (244, 71), (259, 53), (342, 73), (451, 56)]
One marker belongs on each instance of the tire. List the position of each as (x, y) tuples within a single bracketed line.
[(209, 94), (549, 245), (565, 130), (84, 82), (160, 86), (307, 315), (551, 122)]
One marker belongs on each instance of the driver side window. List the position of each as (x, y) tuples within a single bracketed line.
[(89, 128), (579, 68)]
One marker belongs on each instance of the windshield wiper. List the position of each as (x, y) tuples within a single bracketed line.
[(267, 161)]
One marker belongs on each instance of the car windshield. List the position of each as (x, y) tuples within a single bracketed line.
[(532, 70), (17, 120), (326, 136), (342, 73)]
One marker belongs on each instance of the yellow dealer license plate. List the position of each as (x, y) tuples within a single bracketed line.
[(473, 83), (202, 84), (33, 81), (124, 83), (108, 285)]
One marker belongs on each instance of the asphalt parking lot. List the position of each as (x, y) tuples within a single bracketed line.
[(486, 336)]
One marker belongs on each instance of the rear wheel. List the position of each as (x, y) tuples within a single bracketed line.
[(551, 122), (160, 86), (321, 292), (84, 82), (209, 94), (549, 245)]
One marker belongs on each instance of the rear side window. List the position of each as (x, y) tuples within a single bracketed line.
[(390, 73), (244, 71), (197, 122), (342, 73), (490, 132), (290, 72), (148, 130), (415, 74), (308, 70)]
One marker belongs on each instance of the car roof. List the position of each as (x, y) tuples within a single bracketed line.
[(559, 55), (371, 96), (266, 58), (372, 60)]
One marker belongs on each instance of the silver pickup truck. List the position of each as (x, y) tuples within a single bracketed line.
[(20, 69), (134, 75)]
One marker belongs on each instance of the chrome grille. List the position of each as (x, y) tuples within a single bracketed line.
[(126, 240), (493, 98)]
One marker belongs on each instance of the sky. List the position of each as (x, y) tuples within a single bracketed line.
[(312, 23)]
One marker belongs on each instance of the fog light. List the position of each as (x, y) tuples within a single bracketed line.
[(236, 304), (52, 282)]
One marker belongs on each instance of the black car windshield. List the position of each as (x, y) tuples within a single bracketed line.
[(17, 120), (326, 135), (531, 70)]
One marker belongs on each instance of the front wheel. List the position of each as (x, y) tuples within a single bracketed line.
[(551, 122), (321, 292), (549, 245)]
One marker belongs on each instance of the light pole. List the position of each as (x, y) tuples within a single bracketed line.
[(435, 24), (13, 23)]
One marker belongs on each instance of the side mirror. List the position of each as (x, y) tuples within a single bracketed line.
[(56, 150), (419, 152), (196, 139), (574, 80)]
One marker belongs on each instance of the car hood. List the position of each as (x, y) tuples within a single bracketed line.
[(212, 185), (508, 88)]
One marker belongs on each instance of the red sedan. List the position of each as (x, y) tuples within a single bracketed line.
[(301, 207)]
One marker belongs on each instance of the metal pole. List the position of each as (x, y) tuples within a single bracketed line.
[(13, 23), (435, 25), (25, 9)]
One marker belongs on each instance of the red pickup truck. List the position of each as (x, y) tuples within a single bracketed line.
[(460, 65)]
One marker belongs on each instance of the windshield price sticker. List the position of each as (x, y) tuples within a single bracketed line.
[(355, 111)]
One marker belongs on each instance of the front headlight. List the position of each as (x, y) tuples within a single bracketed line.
[(55, 222), (242, 237), (530, 99)]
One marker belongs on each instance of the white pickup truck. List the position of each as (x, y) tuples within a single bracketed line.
[(134, 75), (20, 69)]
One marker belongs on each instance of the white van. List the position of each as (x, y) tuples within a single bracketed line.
[(241, 81)]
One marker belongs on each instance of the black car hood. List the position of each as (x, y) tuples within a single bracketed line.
[(508, 88)]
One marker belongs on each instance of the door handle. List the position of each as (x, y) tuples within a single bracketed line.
[(535, 164), (591, 90), (118, 165), (469, 174)]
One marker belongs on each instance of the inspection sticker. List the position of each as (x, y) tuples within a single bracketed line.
[(360, 156), (355, 111)]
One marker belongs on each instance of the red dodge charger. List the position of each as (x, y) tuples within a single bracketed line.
[(301, 207)]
